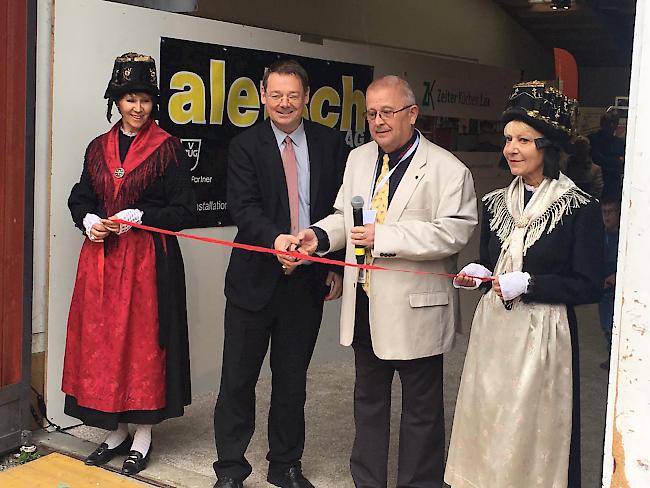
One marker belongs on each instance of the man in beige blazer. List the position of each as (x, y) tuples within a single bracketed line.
[(404, 322)]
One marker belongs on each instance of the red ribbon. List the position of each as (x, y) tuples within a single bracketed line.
[(294, 254)]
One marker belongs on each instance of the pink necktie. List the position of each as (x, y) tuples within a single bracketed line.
[(291, 174)]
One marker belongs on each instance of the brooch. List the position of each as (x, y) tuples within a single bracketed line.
[(119, 172), (521, 222)]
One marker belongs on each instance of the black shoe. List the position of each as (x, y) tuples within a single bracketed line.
[(103, 454), (136, 462), (228, 483), (291, 478)]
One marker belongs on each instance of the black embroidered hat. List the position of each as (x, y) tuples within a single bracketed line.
[(543, 108), (132, 72)]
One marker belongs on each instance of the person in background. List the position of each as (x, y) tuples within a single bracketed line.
[(581, 169), (611, 209), (283, 174), (608, 151), (127, 353), (517, 415)]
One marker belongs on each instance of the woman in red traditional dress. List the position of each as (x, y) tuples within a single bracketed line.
[(127, 354)]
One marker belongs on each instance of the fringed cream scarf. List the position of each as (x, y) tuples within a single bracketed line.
[(519, 227)]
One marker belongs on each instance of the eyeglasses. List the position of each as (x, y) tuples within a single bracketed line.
[(292, 97), (384, 113)]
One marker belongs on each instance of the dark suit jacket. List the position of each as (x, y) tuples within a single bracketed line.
[(259, 205)]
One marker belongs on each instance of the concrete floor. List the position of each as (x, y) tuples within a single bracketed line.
[(184, 448)]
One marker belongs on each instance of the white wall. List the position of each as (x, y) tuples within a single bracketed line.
[(477, 30), (42, 176), (88, 35), (626, 456)]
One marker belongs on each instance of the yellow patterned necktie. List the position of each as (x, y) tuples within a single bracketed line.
[(380, 205)]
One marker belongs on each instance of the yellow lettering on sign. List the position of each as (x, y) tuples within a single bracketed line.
[(243, 95), (217, 90), (322, 95), (352, 98), (266, 112), (187, 105)]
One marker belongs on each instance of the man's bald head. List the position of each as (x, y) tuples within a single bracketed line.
[(394, 82)]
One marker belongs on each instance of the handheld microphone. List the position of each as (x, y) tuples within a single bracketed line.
[(357, 217)]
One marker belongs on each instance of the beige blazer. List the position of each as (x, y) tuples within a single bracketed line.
[(430, 219)]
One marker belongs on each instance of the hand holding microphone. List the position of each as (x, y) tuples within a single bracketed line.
[(357, 217)]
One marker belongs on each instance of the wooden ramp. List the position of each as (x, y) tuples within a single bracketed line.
[(58, 471)]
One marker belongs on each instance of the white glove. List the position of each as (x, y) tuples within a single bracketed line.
[(89, 221), (474, 269), (130, 215), (513, 284)]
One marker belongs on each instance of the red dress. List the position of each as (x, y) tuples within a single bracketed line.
[(115, 360)]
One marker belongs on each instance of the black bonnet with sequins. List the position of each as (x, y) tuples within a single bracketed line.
[(543, 108), (132, 72)]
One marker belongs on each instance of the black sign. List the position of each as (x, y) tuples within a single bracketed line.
[(210, 93)]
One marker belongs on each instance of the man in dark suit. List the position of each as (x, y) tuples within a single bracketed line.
[(283, 174)]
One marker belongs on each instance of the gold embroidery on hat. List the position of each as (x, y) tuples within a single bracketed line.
[(134, 57)]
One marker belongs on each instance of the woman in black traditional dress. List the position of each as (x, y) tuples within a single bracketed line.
[(517, 415), (127, 354)]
